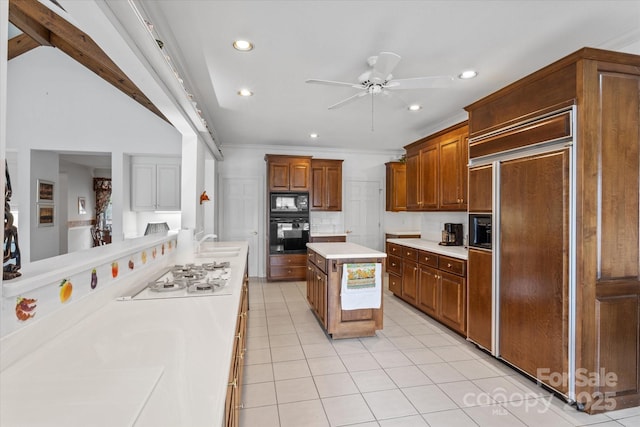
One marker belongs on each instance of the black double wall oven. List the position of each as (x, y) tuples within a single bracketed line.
[(288, 223)]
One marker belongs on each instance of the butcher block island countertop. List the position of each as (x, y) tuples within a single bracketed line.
[(160, 362), (325, 266)]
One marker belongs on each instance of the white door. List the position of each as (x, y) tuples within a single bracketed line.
[(242, 205), (362, 213)]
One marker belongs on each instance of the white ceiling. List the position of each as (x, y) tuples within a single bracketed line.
[(331, 40)]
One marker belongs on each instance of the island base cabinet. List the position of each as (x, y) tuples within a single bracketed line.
[(324, 282)]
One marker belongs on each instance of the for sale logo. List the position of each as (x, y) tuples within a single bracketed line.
[(584, 378)]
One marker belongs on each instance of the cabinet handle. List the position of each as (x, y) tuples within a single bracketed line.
[(318, 277), (408, 253), (393, 264), (240, 406), (426, 258), (449, 264), (234, 383)]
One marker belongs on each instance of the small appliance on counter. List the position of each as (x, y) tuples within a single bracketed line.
[(452, 234)]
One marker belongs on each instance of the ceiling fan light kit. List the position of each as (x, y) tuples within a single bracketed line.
[(379, 80)]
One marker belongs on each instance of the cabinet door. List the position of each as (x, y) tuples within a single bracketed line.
[(279, 176), (321, 303), (333, 184), (299, 175), (318, 188), (409, 280), (534, 248), (481, 189), (412, 184), (395, 284), (310, 284), (453, 301), (450, 177), (479, 298), (396, 179), (143, 187), (428, 183), (428, 285), (168, 187)]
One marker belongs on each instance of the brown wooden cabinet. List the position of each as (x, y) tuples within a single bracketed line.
[(433, 283), (324, 284), (599, 92), (480, 298), (326, 185), (396, 183), (481, 188), (436, 171), (234, 387), (327, 239), (288, 173), (287, 267)]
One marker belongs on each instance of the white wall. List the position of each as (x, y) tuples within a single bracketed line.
[(57, 104)]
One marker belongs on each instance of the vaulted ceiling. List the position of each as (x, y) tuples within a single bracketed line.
[(41, 25)]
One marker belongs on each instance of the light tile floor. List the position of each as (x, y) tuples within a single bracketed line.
[(414, 372)]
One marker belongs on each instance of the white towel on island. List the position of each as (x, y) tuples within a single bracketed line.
[(361, 286)]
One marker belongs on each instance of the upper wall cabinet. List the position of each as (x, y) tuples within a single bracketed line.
[(396, 186), (288, 173), (437, 171), (326, 185), (155, 184)]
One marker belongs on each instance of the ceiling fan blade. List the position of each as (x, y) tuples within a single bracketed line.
[(347, 101), (420, 83), (331, 83), (385, 64)]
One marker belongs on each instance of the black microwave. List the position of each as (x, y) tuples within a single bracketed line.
[(480, 230), (289, 203)]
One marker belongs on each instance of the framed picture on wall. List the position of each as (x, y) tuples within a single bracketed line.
[(46, 215), (45, 191), (82, 206)]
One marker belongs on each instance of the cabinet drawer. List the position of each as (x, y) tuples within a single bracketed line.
[(394, 265), (452, 265), (284, 272), (394, 249), (428, 258), (409, 253), (321, 262), (288, 260), (395, 284)]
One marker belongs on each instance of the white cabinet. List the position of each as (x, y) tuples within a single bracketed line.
[(155, 184)]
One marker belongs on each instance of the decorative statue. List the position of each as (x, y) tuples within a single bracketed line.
[(11, 253)]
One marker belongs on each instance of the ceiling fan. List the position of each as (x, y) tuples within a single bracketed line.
[(379, 80)]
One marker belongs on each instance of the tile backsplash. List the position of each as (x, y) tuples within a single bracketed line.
[(432, 224)]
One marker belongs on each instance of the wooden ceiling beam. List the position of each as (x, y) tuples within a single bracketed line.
[(78, 45), (21, 14), (20, 44)]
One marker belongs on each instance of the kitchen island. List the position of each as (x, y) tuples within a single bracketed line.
[(160, 362), (326, 264)]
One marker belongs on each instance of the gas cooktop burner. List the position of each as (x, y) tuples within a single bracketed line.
[(167, 286), (214, 265)]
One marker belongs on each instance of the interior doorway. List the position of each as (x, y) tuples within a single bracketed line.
[(362, 213), (243, 215)]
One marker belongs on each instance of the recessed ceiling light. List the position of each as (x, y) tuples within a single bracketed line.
[(245, 92), (414, 107), (313, 135), (242, 45), (468, 74)]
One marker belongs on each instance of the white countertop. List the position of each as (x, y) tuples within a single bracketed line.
[(326, 234), (150, 362), (340, 250), (430, 246)]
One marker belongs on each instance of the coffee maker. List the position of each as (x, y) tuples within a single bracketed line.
[(452, 234)]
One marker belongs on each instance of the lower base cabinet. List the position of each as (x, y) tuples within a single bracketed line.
[(435, 284), (234, 388), (287, 267)]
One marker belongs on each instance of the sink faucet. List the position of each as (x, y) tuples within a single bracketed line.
[(205, 237)]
